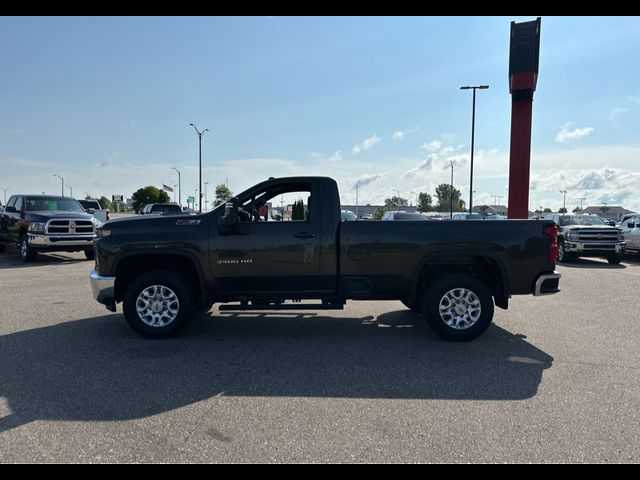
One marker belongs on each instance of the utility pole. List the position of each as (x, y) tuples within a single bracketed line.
[(179, 186), (357, 184), (564, 201), (581, 199), (200, 134), (56, 175), (205, 195), (451, 192)]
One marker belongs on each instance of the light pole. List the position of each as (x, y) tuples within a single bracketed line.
[(70, 190), (581, 199), (174, 193), (414, 192), (200, 134), (495, 199), (194, 201), (473, 129), (357, 186), (451, 192), (5, 195), (179, 193), (564, 201), (205, 195), (56, 175)]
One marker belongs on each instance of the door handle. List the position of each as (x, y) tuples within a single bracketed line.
[(305, 235)]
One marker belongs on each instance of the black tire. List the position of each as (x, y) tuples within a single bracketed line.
[(27, 254), (90, 254), (171, 296), (475, 299), (614, 259), (415, 307), (563, 256)]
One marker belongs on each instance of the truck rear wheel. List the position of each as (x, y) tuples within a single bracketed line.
[(158, 304), (458, 307), (614, 259)]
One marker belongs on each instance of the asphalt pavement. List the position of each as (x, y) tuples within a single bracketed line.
[(554, 379)]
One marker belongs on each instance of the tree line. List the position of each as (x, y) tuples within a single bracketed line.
[(447, 198)]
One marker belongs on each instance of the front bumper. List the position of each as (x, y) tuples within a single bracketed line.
[(547, 284), (103, 289), (594, 247), (39, 241)]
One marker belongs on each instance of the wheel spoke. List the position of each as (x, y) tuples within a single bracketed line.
[(460, 308), (157, 306)]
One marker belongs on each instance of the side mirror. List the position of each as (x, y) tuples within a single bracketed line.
[(91, 210), (229, 220), (10, 209), (631, 225)]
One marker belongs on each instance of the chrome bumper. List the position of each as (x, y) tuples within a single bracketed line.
[(547, 284), (53, 241), (102, 288), (574, 247)]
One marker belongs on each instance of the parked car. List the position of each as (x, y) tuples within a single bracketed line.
[(92, 206), (587, 236), (46, 223), (366, 216), (401, 215), (162, 209), (631, 230), (347, 216)]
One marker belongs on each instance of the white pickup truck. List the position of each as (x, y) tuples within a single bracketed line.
[(93, 207)]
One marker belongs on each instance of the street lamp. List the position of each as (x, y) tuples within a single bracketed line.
[(179, 193), (5, 194), (564, 201), (200, 134), (174, 192), (56, 175), (205, 195), (70, 190), (451, 192), (473, 128), (581, 200)]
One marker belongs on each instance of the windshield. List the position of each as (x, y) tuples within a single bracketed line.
[(90, 204), (581, 220), (64, 204), (348, 216), (166, 209)]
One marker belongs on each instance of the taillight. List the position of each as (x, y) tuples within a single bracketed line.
[(552, 231)]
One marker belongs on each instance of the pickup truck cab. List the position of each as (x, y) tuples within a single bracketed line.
[(93, 207), (46, 223), (630, 227), (451, 272)]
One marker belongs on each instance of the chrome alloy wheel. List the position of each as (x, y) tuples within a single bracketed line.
[(157, 306), (460, 308)]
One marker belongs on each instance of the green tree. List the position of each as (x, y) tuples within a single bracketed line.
[(425, 202), (379, 213), (444, 203), (395, 201), (547, 210), (222, 194), (148, 194), (297, 210), (562, 210), (106, 203)]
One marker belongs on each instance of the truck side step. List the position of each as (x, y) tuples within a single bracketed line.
[(281, 306)]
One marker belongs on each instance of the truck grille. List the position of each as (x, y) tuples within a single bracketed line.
[(595, 235), (70, 227)]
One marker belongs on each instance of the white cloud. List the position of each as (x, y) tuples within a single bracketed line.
[(432, 146), (634, 98), (566, 135), (336, 157), (367, 144), (366, 179), (400, 134)]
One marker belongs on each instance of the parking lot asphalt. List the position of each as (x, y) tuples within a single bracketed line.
[(554, 379)]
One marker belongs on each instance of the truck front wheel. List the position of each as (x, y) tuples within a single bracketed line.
[(458, 307), (158, 304)]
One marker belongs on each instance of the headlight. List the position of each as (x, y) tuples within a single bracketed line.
[(572, 236), (37, 227), (97, 223)]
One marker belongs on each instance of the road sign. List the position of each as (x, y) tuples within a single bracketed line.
[(116, 198), (191, 199)]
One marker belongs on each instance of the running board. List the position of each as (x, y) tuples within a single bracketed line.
[(288, 306)]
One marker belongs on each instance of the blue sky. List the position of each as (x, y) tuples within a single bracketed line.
[(106, 103)]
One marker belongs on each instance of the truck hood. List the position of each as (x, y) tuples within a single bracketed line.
[(44, 215), (579, 228)]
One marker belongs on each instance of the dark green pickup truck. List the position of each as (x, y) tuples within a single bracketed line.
[(451, 272)]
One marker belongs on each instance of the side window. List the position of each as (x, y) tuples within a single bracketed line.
[(283, 203), (18, 203), (12, 201)]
